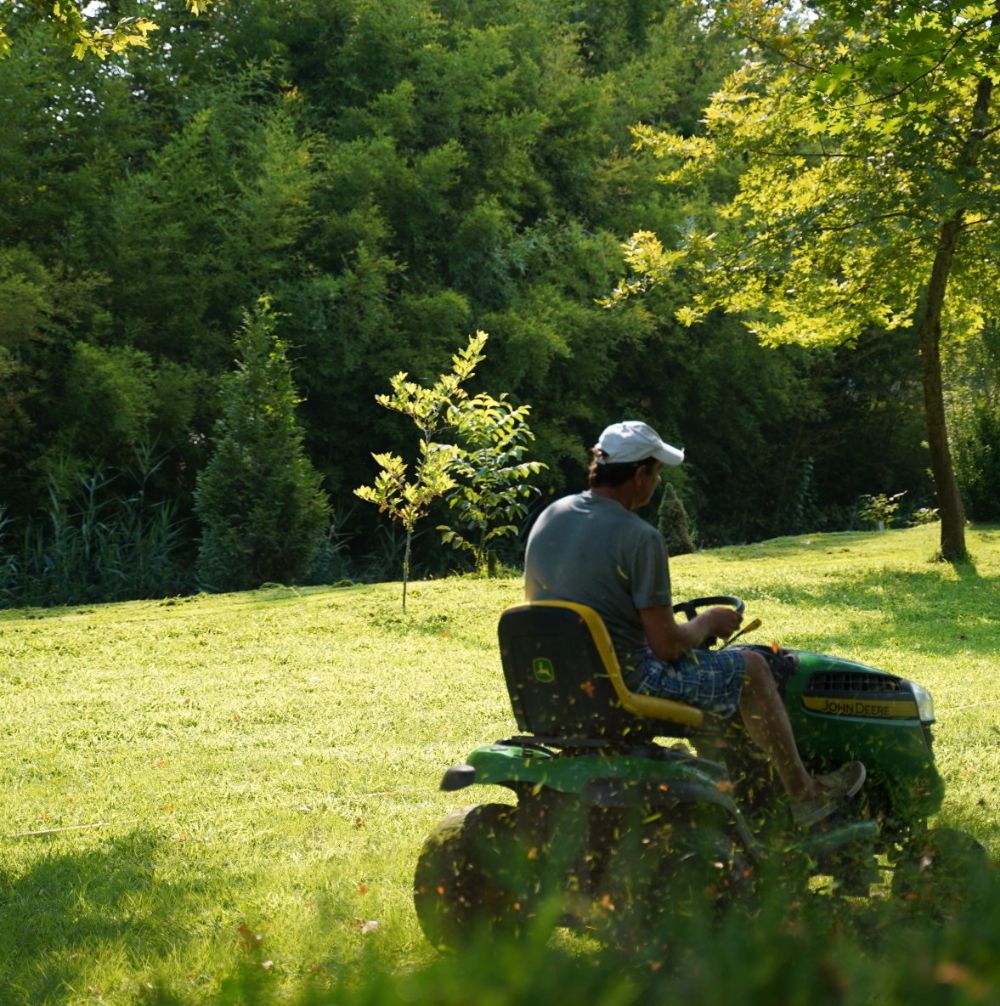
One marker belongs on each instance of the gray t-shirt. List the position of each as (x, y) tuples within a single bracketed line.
[(591, 550)]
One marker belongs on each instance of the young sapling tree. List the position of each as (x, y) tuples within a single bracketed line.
[(407, 500), (483, 475)]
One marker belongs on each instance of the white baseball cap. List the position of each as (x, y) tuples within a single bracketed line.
[(635, 441)]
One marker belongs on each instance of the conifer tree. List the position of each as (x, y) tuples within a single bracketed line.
[(262, 509), (673, 522)]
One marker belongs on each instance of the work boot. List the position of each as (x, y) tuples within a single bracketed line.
[(837, 787)]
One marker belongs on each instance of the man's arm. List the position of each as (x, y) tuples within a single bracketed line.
[(668, 638)]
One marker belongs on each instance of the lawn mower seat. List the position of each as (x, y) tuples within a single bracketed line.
[(565, 682)]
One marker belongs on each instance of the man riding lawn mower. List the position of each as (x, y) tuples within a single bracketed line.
[(622, 829)]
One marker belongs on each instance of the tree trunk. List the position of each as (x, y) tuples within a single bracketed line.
[(406, 564), (928, 323), (929, 334)]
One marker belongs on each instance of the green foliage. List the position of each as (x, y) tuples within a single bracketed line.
[(480, 468), (880, 510), (978, 462), (490, 495), (432, 410), (25, 303), (923, 515), (105, 537), (73, 26), (673, 522), (262, 510), (974, 401), (855, 147), (407, 501), (110, 395), (25, 297), (868, 436), (229, 197)]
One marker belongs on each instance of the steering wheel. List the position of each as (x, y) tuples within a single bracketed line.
[(690, 608)]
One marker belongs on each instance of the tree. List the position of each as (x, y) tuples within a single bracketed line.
[(78, 28), (490, 495), (673, 522), (867, 200), (480, 467), (259, 500), (407, 501)]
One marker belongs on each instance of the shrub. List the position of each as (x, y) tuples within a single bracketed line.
[(879, 510), (673, 522), (102, 539)]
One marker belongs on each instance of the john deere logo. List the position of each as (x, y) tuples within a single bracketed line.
[(867, 708), (543, 670)]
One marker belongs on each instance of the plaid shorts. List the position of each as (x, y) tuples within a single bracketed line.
[(711, 680)]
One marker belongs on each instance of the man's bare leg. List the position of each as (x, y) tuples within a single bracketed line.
[(766, 720)]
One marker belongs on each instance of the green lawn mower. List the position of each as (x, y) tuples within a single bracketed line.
[(624, 832)]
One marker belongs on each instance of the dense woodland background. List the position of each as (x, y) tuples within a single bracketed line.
[(393, 175)]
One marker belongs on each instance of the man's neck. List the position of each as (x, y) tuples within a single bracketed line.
[(624, 495)]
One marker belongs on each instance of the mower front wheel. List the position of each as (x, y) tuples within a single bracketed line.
[(474, 876), (937, 872)]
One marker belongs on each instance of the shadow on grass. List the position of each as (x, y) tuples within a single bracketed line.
[(923, 609), (966, 570), (68, 908)]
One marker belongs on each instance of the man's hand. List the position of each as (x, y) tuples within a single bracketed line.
[(668, 638), (719, 622)]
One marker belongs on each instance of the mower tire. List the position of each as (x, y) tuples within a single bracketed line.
[(938, 871), (680, 879), (474, 877)]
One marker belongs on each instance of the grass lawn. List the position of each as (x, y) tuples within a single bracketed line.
[(251, 775)]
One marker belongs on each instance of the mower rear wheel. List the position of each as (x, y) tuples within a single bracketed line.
[(679, 880), (474, 876)]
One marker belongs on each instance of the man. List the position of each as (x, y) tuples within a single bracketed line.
[(593, 549)]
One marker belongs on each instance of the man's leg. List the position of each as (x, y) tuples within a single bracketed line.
[(767, 722), (698, 678)]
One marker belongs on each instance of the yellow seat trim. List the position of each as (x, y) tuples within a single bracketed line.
[(639, 705)]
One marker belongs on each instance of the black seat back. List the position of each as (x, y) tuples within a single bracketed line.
[(564, 681)]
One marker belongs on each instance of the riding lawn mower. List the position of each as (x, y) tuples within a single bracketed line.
[(631, 811)]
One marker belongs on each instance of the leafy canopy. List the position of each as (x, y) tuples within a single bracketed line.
[(858, 129), (77, 27)]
